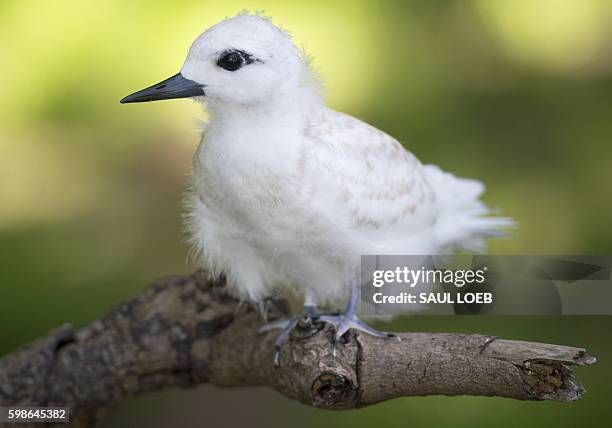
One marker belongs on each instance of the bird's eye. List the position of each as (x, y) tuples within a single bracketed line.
[(231, 61)]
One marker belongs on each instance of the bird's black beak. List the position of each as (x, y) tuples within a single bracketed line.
[(174, 87)]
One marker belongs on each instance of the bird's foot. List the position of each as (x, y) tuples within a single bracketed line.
[(287, 325), (310, 322), (345, 322)]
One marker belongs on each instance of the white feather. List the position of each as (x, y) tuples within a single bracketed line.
[(287, 192)]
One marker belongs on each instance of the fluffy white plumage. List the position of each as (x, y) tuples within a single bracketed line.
[(287, 192)]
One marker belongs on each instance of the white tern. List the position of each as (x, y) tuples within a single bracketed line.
[(287, 192)]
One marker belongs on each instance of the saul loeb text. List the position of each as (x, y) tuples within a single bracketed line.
[(422, 283)]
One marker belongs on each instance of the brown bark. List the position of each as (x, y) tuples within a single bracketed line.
[(185, 330)]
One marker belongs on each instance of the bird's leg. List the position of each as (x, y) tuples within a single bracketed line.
[(310, 305), (263, 307), (349, 319)]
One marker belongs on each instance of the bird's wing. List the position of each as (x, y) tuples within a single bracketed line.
[(387, 196), (376, 183)]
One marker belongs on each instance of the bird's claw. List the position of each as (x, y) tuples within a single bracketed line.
[(286, 325), (281, 323), (343, 323)]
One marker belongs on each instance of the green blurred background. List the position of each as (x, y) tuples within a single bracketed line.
[(517, 93)]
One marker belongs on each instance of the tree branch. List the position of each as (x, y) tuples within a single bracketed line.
[(185, 331)]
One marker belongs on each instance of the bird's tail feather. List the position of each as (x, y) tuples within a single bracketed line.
[(465, 221)]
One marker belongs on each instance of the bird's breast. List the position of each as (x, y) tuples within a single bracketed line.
[(245, 191)]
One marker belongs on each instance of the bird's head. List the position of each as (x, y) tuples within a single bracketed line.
[(244, 60)]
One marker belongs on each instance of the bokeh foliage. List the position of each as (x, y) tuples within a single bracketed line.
[(516, 93)]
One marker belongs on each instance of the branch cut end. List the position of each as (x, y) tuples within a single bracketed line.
[(551, 380)]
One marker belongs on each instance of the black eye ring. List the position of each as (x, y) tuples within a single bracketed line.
[(231, 61)]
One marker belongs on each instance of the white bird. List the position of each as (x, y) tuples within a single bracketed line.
[(287, 192)]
